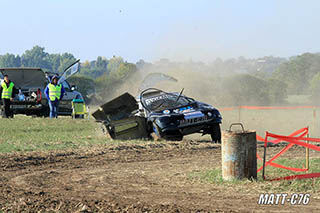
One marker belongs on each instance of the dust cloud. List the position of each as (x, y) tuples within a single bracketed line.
[(215, 88), (198, 85)]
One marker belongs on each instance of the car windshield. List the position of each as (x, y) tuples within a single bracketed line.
[(165, 101)]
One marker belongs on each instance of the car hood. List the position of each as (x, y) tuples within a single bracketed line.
[(154, 78), (116, 109), (25, 78)]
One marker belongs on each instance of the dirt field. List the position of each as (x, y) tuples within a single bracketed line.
[(152, 177)]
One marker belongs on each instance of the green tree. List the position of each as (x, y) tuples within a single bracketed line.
[(123, 71), (315, 89), (10, 60), (277, 91), (243, 89), (66, 59), (101, 62), (54, 60), (108, 83), (298, 72), (36, 57), (114, 64), (86, 86)]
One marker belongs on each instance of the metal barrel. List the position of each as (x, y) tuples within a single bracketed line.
[(239, 154)]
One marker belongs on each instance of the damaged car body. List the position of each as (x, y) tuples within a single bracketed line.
[(160, 114), (119, 120)]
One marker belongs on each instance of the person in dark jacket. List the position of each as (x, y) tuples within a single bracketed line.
[(54, 93), (7, 91)]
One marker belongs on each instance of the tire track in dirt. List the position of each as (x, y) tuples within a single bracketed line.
[(150, 177)]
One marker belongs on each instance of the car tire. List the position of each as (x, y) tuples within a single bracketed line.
[(215, 133), (111, 131), (176, 137), (156, 134), (79, 116)]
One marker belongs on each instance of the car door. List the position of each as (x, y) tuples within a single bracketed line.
[(65, 104), (70, 71)]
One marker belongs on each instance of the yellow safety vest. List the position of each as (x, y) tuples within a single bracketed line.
[(54, 92), (7, 91)]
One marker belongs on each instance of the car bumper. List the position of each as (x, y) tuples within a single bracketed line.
[(26, 108), (188, 128)]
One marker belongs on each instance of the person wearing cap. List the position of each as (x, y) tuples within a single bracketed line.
[(54, 93), (7, 91)]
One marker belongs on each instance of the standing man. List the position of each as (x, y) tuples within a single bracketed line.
[(54, 93), (7, 91)]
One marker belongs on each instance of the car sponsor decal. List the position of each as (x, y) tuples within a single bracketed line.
[(195, 114), (149, 101), (176, 111), (185, 109), (193, 118), (166, 111)]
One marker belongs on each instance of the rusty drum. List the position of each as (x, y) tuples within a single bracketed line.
[(239, 150)]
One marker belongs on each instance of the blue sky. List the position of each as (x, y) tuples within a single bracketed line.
[(150, 30)]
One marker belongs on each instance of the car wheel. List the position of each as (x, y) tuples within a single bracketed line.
[(174, 137), (79, 116), (215, 133), (170, 136), (156, 134), (111, 131)]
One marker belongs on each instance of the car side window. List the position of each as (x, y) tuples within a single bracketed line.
[(66, 86)]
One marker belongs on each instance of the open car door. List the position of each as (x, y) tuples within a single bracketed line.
[(70, 71), (116, 116), (153, 78)]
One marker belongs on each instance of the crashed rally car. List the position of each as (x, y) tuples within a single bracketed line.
[(159, 114)]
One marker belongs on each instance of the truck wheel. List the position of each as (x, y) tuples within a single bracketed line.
[(11, 115), (215, 133), (45, 112)]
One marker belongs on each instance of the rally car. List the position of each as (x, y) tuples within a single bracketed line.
[(166, 115)]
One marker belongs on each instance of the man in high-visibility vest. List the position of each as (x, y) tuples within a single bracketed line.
[(7, 91), (54, 93)]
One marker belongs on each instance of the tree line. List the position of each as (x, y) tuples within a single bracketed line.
[(237, 81), (94, 77)]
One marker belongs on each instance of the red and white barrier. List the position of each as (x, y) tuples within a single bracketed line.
[(296, 138)]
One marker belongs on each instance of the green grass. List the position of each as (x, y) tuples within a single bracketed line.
[(214, 176), (37, 134)]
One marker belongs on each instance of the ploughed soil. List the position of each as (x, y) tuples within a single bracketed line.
[(147, 177)]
